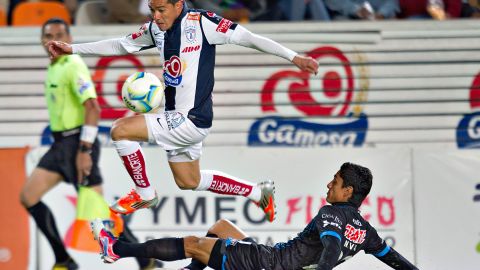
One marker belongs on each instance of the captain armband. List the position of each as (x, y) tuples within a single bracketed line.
[(89, 133)]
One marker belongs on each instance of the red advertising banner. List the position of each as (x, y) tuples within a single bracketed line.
[(14, 232)]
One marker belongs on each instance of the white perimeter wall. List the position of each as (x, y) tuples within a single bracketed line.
[(421, 201)]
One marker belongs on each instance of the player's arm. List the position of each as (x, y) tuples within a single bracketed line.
[(219, 30), (83, 87), (378, 248), (394, 259), (330, 224), (331, 251), (141, 40)]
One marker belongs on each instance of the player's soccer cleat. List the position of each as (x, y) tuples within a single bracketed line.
[(106, 241), (67, 265), (132, 202), (267, 201)]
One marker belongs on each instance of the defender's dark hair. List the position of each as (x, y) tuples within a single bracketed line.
[(359, 178), (56, 21)]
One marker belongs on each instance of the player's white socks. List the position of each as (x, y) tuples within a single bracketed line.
[(132, 157), (222, 183)]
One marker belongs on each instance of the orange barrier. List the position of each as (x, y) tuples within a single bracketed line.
[(14, 230), (36, 13), (3, 17)]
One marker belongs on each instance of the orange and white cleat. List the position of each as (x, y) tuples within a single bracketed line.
[(267, 201), (132, 202)]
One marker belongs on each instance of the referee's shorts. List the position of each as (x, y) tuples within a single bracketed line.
[(61, 158)]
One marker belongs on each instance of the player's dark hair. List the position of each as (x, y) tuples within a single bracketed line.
[(56, 21), (173, 2), (359, 178)]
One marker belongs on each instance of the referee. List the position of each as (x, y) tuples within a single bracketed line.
[(74, 113)]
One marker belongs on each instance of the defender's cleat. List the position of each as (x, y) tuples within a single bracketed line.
[(106, 241), (67, 265), (267, 201), (132, 202)]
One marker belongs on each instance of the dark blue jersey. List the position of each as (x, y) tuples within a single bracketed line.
[(340, 221)]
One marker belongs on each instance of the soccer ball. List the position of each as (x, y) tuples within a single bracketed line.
[(142, 92)]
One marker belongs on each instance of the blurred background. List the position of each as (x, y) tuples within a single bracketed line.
[(398, 91)]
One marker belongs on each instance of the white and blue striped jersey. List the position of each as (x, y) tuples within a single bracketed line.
[(187, 51)]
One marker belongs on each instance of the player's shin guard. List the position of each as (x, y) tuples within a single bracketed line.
[(222, 183), (134, 162), (165, 249)]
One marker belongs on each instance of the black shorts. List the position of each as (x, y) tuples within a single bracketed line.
[(61, 158), (235, 255)]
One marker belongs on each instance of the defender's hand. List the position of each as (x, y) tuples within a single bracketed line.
[(58, 48), (306, 63)]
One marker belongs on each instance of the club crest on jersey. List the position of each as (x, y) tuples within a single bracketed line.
[(190, 33), (172, 71), (211, 14), (174, 119)]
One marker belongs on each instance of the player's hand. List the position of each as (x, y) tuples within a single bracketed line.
[(84, 166), (306, 63), (58, 48)]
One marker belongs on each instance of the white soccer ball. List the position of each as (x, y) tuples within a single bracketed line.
[(142, 92)]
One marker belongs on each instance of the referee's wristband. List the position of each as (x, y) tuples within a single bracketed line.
[(89, 133)]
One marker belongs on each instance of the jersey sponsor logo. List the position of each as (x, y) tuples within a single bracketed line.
[(137, 169), (334, 217), (190, 33), (191, 49), (224, 25), (172, 71), (355, 235), (357, 222), (193, 17), (327, 223), (350, 245), (140, 32), (223, 187), (303, 125)]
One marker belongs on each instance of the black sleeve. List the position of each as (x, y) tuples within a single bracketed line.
[(396, 261), (330, 254)]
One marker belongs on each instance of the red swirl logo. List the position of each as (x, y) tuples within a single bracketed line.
[(111, 103), (336, 86), (173, 66), (475, 93)]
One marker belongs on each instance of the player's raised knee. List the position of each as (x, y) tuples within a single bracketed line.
[(118, 130)]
